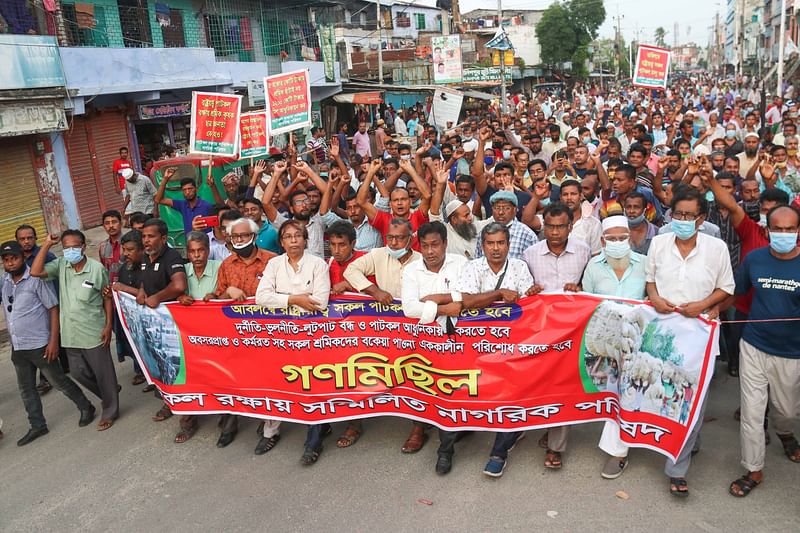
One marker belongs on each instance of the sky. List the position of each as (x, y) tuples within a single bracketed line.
[(694, 17)]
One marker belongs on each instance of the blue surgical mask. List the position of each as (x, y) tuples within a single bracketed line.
[(730, 134), (323, 174), (782, 243), (683, 229), (617, 249), (586, 140), (506, 154), (397, 254), (545, 202), (636, 221), (73, 255)]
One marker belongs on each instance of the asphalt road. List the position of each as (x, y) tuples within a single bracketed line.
[(134, 478)]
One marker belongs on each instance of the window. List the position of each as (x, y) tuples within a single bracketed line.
[(173, 33), (420, 19), (403, 21)]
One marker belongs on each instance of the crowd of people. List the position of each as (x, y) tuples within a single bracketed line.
[(686, 197)]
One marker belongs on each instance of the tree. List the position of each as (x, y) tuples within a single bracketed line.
[(660, 35), (566, 29)]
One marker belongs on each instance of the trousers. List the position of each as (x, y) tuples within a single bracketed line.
[(94, 369)]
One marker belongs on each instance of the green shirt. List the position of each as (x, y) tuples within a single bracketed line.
[(205, 284), (81, 307)]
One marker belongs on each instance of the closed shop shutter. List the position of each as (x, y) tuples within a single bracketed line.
[(19, 200), (106, 131)]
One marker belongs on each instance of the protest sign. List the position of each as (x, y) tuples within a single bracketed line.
[(652, 67), (446, 57), (253, 135), (547, 360), (215, 124), (445, 107), (288, 101)]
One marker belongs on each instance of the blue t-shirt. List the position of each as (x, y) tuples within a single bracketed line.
[(201, 209), (267, 238), (776, 295)]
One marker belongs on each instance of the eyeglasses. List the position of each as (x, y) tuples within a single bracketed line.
[(682, 215), (301, 201), (616, 238), (241, 236), (292, 236), (397, 238)]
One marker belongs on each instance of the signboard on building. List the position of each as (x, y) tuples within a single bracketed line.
[(446, 57), (29, 62), (253, 135), (652, 67), (255, 93), (174, 109), (288, 101), (25, 119), (485, 76), (215, 124), (327, 42)]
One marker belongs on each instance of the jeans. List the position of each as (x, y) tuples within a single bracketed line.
[(315, 435), (25, 364), (503, 442)]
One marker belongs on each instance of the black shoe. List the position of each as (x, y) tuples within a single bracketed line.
[(733, 371), (444, 464), (87, 415), (32, 435), (225, 439), (44, 387), (265, 444)]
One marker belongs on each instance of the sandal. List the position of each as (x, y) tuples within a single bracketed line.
[(742, 486), (185, 434), (415, 441), (678, 487), (162, 414), (790, 447), (552, 460), (138, 379), (104, 424), (310, 456), (349, 437)]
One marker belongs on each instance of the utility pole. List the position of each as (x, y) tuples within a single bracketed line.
[(380, 40), (502, 60), (781, 45), (619, 44)]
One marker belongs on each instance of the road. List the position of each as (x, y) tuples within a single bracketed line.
[(134, 478)]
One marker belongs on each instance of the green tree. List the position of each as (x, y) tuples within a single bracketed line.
[(566, 29), (660, 35)]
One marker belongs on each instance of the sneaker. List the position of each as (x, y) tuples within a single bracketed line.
[(614, 467), (495, 467)]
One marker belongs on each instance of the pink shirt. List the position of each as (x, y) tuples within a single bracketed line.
[(361, 144)]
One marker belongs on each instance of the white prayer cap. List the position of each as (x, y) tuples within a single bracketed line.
[(470, 146), (701, 149), (451, 207), (752, 134), (616, 221), (127, 173)]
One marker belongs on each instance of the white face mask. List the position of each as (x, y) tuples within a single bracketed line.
[(617, 249)]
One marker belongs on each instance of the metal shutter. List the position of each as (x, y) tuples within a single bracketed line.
[(19, 201), (110, 133)]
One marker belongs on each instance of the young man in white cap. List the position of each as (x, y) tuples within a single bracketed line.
[(617, 271)]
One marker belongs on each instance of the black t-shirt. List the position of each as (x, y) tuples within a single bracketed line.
[(131, 275), (157, 274)]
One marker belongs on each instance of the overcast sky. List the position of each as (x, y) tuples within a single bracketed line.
[(694, 17)]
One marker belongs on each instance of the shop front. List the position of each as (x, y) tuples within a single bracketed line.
[(159, 125)]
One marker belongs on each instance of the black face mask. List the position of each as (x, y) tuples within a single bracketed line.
[(590, 198), (752, 210), (447, 157), (245, 251)]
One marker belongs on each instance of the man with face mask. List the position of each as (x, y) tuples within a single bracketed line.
[(31, 312), (553, 143), (85, 318), (139, 192), (617, 271), (690, 273)]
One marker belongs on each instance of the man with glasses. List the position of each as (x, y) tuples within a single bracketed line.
[(617, 271), (237, 278), (504, 210), (556, 263), (690, 273)]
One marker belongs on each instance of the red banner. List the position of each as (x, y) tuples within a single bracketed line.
[(253, 135), (215, 124), (288, 101), (652, 67), (549, 360)]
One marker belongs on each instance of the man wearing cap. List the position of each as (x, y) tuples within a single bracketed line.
[(462, 230), (617, 271), (138, 191), (380, 137), (749, 158), (31, 311), (504, 207)]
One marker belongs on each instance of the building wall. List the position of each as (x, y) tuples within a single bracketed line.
[(526, 46)]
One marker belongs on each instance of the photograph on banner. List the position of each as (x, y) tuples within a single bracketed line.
[(288, 98), (446, 57), (507, 367), (445, 107), (253, 135), (634, 352), (652, 67), (215, 124)]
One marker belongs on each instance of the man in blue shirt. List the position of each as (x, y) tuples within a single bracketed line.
[(190, 207), (769, 360)]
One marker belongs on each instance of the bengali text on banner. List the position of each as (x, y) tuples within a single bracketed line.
[(548, 360), (652, 67)]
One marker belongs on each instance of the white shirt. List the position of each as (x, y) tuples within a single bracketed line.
[(478, 277), (419, 282), (588, 229), (456, 244), (280, 280), (681, 281), (400, 126)]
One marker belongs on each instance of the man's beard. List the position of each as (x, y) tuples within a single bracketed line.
[(465, 230), (305, 217), (751, 153)]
